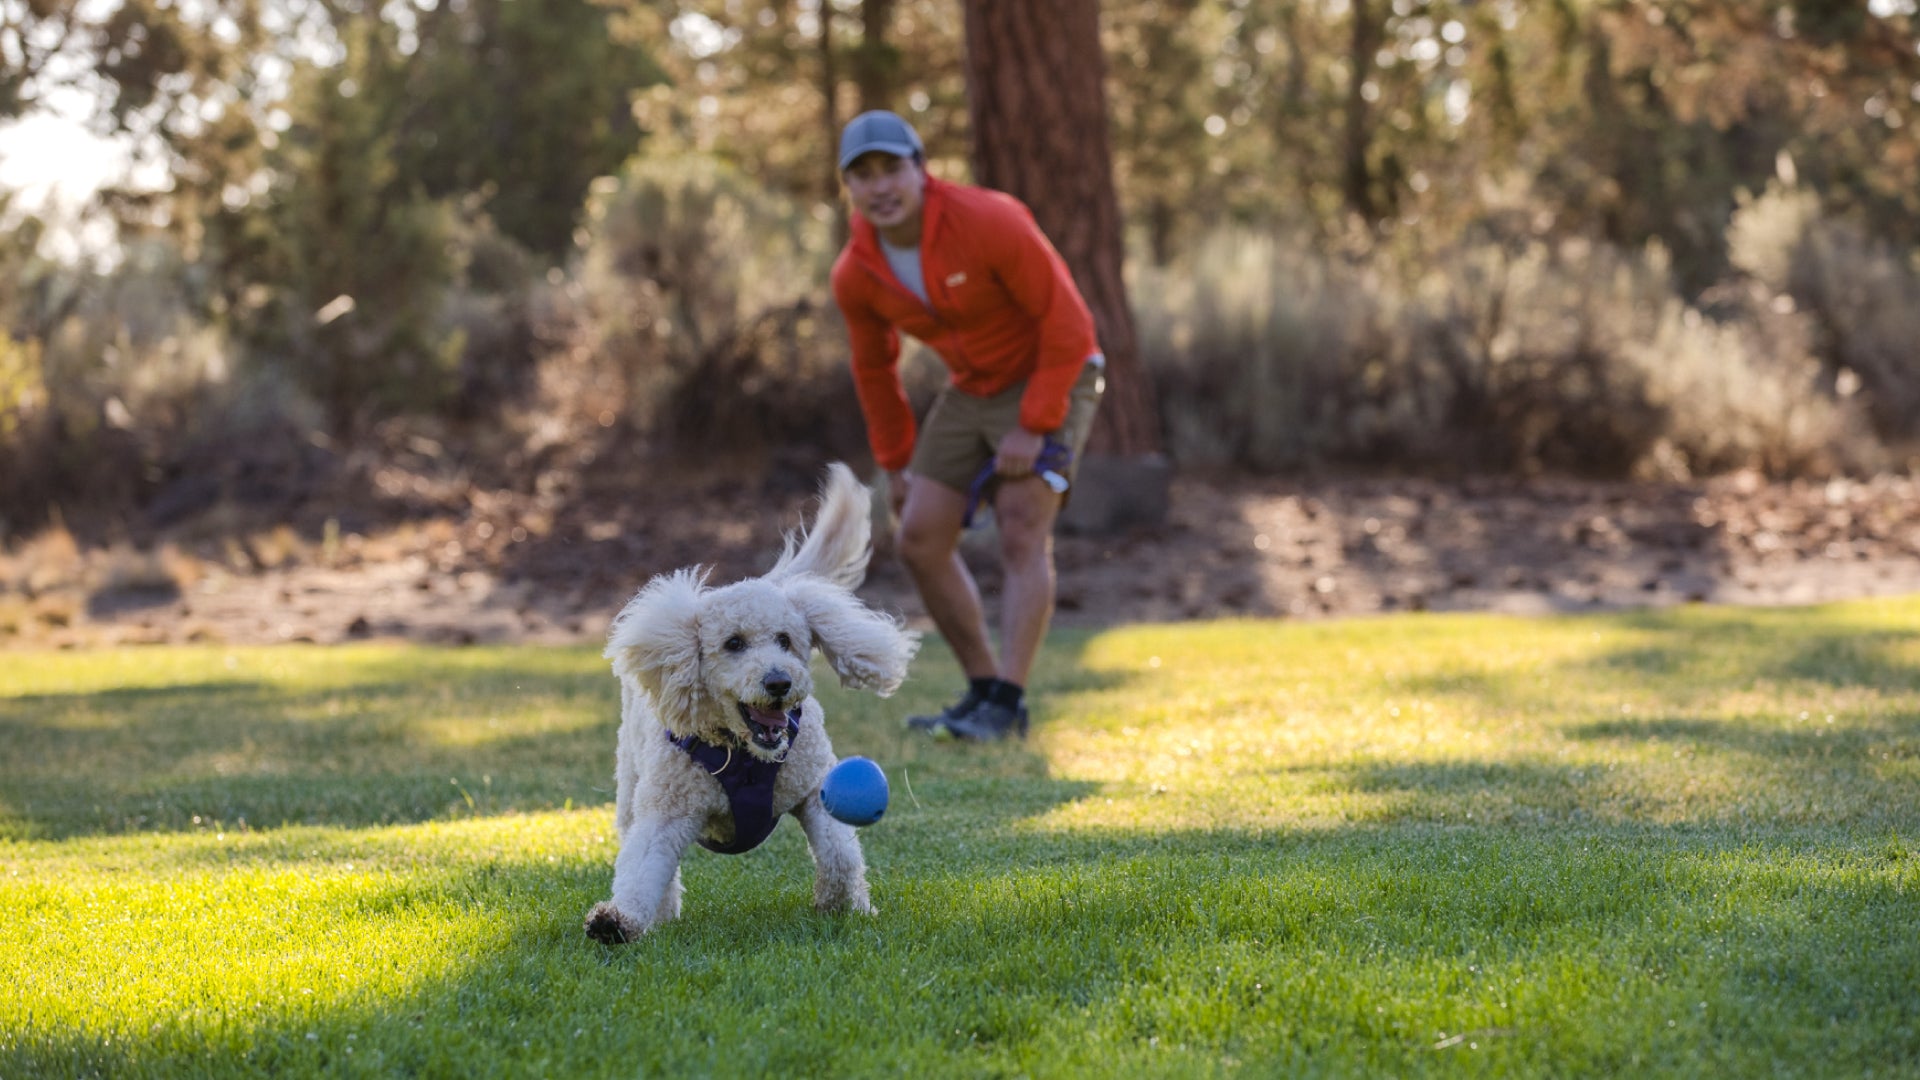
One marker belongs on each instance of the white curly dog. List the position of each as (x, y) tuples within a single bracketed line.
[(720, 735)]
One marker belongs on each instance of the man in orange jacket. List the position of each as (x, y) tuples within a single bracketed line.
[(968, 273)]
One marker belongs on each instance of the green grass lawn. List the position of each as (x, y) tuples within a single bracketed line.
[(1684, 844)]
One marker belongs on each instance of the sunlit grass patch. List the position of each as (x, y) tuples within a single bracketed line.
[(1691, 717), (1684, 843)]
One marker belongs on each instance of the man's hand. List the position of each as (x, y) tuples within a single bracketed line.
[(1018, 450), (897, 492)]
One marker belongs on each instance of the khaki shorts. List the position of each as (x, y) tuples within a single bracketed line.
[(961, 431)]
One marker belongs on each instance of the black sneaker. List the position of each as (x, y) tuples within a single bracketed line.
[(988, 722), (938, 721)]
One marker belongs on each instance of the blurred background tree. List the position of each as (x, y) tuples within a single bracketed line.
[(1039, 111), (1514, 235)]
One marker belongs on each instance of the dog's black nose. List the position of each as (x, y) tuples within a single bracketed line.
[(777, 684)]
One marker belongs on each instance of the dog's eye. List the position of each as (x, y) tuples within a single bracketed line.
[(734, 644), (784, 642)]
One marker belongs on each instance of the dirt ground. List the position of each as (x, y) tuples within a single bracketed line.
[(468, 565)]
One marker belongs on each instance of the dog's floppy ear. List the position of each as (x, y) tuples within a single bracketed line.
[(656, 640), (868, 650)]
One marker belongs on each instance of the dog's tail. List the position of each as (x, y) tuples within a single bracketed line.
[(841, 540)]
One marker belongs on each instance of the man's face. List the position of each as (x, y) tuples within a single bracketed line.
[(886, 190)]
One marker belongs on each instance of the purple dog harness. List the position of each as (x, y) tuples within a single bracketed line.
[(748, 782)]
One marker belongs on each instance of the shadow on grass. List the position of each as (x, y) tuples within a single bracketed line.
[(1450, 778), (428, 736), (1783, 644), (1814, 739), (421, 736), (1817, 727), (976, 964), (1733, 649), (1696, 654)]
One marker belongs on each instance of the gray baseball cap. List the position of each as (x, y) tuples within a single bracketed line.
[(878, 130)]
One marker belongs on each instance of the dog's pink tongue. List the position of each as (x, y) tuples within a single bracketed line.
[(767, 718)]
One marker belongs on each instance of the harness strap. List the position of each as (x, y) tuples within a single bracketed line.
[(748, 782)]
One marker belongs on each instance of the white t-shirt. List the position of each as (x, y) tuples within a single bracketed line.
[(906, 266)]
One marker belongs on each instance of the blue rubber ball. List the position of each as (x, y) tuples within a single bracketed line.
[(855, 791)]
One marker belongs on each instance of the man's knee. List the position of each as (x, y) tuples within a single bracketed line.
[(1026, 537), (1025, 512)]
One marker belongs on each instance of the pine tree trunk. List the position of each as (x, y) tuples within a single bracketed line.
[(830, 116), (876, 64), (1357, 176), (1035, 82)]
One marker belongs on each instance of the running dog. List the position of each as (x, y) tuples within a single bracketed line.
[(720, 734)]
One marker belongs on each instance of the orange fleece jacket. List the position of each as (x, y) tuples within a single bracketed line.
[(1003, 308)]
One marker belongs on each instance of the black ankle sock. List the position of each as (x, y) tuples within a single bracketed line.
[(1006, 693), (978, 689)]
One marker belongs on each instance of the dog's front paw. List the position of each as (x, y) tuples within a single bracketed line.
[(606, 925)]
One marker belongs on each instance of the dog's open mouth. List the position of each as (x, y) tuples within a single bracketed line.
[(768, 727)]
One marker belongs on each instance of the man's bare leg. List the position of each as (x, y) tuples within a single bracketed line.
[(929, 545), (1025, 510)]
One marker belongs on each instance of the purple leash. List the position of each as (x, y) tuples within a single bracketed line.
[(1050, 467)]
